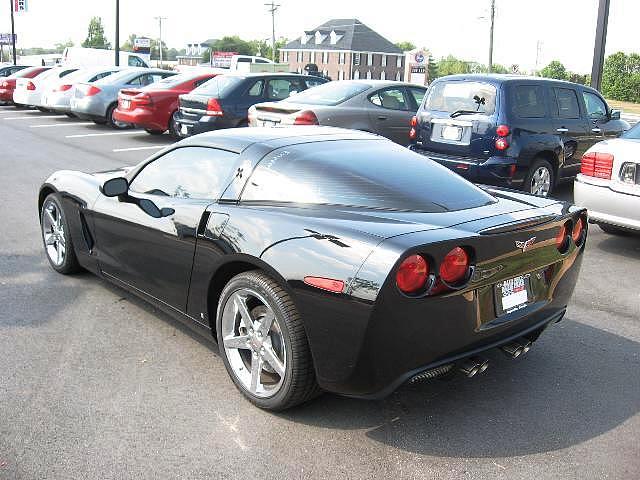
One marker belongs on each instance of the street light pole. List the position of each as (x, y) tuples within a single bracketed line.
[(601, 40), (13, 35), (493, 13), (273, 8), (160, 45), (117, 33)]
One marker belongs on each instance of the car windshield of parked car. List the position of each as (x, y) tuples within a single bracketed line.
[(374, 174), (456, 96), (219, 86), (633, 134), (118, 77), (332, 93)]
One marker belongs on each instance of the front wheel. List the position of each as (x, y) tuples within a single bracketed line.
[(540, 179), (57, 237), (263, 343)]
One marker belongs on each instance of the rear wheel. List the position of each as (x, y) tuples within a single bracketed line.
[(263, 343), (174, 128), (154, 132), (56, 236), (112, 121), (100, 121), (540, 178), (43, 109), (70, 115)]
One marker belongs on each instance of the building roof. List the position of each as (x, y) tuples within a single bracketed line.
[(343, 34)]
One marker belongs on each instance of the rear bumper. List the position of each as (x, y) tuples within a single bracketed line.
[(6, 95), (87, 107), (56, 101), (606, 205), (142, 119), (24, 97), (491, 171), (193, 126)]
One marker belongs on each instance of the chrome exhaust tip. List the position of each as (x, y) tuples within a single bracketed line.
[(525, 344), (512, 349), (472, 366)]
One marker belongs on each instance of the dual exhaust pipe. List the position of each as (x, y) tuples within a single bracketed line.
[(472, 366)]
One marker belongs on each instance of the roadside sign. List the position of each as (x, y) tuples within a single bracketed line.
[(5, 39), (142, 45), (20, 6), (222, 59)]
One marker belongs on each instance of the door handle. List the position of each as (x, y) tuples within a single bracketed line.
[(596, 130), (562, 130), (381, 117)]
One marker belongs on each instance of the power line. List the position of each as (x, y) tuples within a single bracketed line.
[(273, 8)]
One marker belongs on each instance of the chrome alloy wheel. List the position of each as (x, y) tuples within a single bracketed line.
[(254, 343), (540, 182), (53, 233)]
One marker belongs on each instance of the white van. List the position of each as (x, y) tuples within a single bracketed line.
[(96, 57)]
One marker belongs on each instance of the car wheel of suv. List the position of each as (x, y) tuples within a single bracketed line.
[(263, 343), (540, 179), (56, 236), (112, 121)]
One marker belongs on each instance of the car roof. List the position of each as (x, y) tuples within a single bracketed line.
[(500, 78), (267, 74), (238, 139)]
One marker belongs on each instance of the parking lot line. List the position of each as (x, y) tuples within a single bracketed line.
[(133, 149), (135, 132), (37, 117), (47, 125)]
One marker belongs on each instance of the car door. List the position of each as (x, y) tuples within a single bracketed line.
[(598, 114), (150, 246), (570, 124), (390, 110)]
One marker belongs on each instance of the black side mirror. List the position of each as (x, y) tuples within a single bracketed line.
[(614, 115), (152, 209), (115, 187)]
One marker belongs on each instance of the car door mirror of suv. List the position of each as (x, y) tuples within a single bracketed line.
[(614, 115), (115, 187)]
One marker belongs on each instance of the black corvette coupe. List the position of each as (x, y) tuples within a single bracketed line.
[(321, 258)]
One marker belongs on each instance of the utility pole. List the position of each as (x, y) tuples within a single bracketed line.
[(601, 40), (538, 48), (493, 13), (273, 8), (160, 26), (117, 33), (13, 35)]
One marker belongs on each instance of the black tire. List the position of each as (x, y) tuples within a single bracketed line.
[(69, 263), (112, 121), (43, 110), (70, 115), (528, 185), (613, 230), (299, 383), (100, 121), (174, 128), (154, 132)]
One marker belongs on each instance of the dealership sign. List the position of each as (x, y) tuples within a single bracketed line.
[(5, 39), (142, 46), (20, 5), (222, 59)]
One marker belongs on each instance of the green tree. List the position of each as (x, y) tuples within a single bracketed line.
[(432, 68), (95, 36), (621, 77), (451, 66), (554, 70), (62, 45), (233, 44), (405, 46)]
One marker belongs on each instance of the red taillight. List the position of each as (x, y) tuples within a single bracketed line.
[(213, 108), (412, 132), (328, 284), (31, 86), (561, 238), (576, 233), (306, 118), (501, 143), (597, 165), (414, 121), (4, 84), (91, 91), (63, 88), (412, 274), (454, 266), (142, 100), (502, 130)]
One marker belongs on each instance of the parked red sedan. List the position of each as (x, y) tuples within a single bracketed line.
[(153, 106), (8, 84)]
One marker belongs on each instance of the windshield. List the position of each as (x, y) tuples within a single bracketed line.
[(633, 134), (456, 96), (218, 86), (117, 77), (331, 93)]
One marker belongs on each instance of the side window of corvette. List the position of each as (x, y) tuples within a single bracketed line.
[(187, 172)]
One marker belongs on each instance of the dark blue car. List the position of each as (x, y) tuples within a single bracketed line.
[(519, 132)]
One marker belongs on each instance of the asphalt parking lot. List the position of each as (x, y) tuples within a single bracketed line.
[(95, 384)]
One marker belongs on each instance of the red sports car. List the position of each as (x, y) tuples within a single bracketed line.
[(153, 106), (8, 84)]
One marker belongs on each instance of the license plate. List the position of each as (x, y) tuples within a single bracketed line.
[(268, 123), (450, 132), (184, 130), (126, 104), (513, 293)]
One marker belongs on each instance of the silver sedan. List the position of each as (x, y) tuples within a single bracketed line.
[(376, 106)]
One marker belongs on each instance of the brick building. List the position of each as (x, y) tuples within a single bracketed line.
[(345, 49)]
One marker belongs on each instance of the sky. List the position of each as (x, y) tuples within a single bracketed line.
[(564, 28)]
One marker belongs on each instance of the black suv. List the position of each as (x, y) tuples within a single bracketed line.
[(224, 101), (509, 130)]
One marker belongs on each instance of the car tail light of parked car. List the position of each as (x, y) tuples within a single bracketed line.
[(412, 274), (31, 86), (412, 131), (562, 238), (629, 173), (597, 165), (306, 117), (88, 90), (213, 108), (454, 266), (501, 142), (63, 88)]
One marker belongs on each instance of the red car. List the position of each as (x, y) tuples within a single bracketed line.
[(153, 106), (8, 84)]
